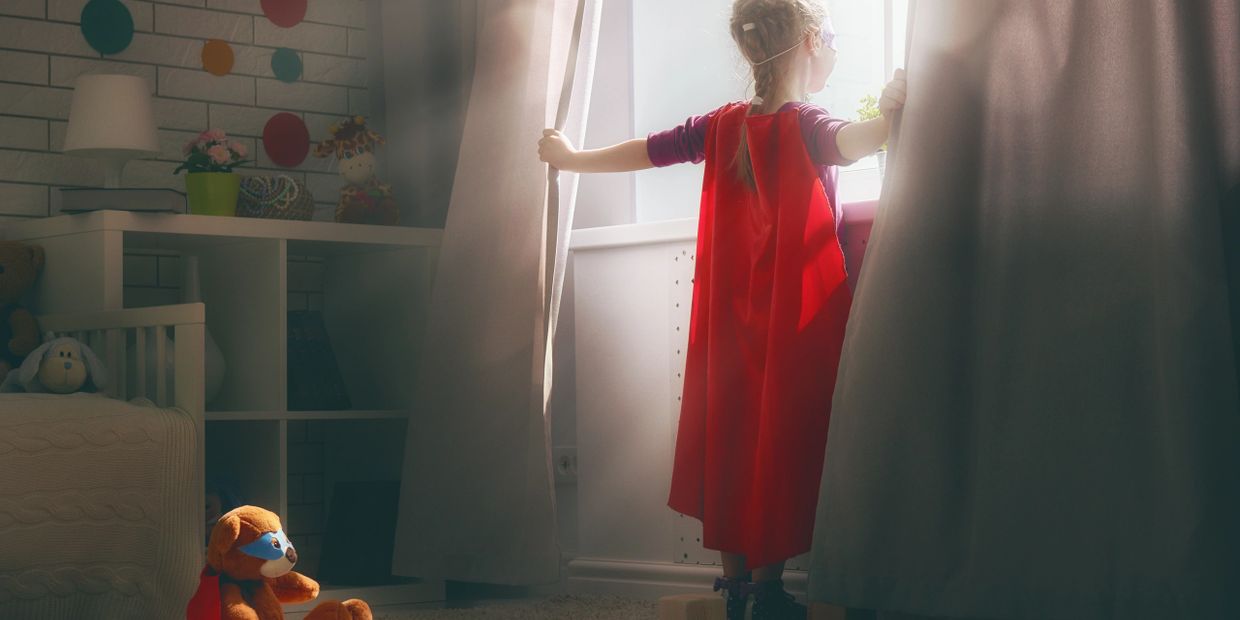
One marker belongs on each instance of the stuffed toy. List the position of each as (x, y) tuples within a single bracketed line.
[(364, 199), (19, 332), (249, 574), (58, 366)]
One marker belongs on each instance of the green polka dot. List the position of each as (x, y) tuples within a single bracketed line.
[(286, 64), (107, 25)]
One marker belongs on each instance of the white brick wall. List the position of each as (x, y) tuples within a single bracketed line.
[(42, 52)]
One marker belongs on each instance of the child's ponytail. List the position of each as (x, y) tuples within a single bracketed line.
[(765, 30)]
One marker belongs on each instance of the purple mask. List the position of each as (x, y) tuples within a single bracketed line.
[(828, 34)]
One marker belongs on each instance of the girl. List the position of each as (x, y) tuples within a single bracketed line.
[(770, 297)]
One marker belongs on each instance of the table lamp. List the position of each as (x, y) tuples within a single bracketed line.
[(111, 119)]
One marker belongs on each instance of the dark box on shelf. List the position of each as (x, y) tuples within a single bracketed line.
[(314, 381), (360, 534)]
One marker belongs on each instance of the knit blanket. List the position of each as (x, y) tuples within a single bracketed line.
[(99, 508)]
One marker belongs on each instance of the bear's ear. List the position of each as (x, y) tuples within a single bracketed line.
[(225, 533), (36, 256)]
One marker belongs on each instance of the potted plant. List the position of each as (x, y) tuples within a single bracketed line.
[(869, 110), (210, 182)]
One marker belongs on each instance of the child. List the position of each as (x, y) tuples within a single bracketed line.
[(770, 298)]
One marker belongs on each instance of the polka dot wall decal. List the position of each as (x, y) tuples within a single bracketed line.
[(286, 64), (285, 13), (107, 25), (217, 57), (286, 140)]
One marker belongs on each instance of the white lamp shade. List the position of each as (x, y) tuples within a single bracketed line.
[(111, 115)]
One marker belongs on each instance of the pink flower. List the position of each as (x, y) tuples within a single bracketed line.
[(238, 148), (215, 135), (219, 154)]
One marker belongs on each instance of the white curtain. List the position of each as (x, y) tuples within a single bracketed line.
[(477, 497)]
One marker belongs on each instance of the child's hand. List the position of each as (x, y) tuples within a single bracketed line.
[(893, 95), (556, 150)]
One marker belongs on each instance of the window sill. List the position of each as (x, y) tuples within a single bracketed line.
[(679, 230)]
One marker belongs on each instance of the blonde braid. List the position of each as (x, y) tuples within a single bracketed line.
[(763, 29)]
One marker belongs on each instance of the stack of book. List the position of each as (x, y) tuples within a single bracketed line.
[(82, 199)]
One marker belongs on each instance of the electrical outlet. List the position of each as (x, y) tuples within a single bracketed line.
[(564, 462)]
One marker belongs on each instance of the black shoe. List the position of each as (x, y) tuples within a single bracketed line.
[(735, 595), (772, 602)]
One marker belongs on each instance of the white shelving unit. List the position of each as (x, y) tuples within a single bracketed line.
[(376, 288)]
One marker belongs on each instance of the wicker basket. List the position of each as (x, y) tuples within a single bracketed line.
[(279, 197)]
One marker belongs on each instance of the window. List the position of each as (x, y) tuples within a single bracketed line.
[(685, 63)]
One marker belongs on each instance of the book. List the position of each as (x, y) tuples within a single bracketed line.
[(314, 381), (150, 200), (359, 534)]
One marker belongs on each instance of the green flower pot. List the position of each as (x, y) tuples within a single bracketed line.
[(213, 193)]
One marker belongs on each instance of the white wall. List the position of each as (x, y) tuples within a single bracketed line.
[(602, 200), (45, 51)]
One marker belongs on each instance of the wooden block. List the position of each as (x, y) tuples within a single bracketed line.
[(691, 607)]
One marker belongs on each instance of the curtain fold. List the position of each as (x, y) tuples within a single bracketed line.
[(477, 496), (424, 58), (1037, 410)]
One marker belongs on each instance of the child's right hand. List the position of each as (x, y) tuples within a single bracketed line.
[(893, 95), (556, 150)]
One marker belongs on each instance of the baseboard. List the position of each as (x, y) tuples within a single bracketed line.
[(651, 580)]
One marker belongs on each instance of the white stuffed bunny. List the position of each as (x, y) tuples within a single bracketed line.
[(59, 366)]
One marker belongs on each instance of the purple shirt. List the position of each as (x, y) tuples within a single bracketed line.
[(687, 143)]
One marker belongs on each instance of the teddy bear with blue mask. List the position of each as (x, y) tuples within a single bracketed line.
[(249, 574)]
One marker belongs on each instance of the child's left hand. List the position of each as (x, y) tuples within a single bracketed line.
[(893, 95)]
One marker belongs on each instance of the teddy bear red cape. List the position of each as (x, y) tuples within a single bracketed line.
[(205, 605)]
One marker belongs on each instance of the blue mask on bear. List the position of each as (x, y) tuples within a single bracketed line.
[(269, 546)]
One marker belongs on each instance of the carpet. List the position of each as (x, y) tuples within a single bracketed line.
[(560, 607)]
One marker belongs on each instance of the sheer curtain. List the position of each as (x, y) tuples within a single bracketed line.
[(1036, 414), (477, 500)]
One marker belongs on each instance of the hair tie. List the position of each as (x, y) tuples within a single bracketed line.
[(748, 26)]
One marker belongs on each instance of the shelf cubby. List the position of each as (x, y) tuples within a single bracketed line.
[(376, 283)]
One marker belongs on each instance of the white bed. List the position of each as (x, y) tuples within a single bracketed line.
[(101, 499)]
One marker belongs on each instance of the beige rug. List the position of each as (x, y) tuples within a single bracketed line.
[(561, 607)]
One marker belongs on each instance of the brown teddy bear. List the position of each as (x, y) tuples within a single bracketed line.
[(254, 560), (19, 332)]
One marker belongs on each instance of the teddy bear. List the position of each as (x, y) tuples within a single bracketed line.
[(20, 265), (253, 560), (59, 366)]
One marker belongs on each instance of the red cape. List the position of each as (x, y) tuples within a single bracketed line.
[(205, 605), (770, 302)]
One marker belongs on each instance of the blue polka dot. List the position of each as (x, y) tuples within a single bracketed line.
[(286, 64), (107, 25)]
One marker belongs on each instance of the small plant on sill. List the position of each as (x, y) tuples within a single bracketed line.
[(869, 111)]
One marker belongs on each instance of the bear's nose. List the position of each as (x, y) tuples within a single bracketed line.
[(291, 554), (68, 365)]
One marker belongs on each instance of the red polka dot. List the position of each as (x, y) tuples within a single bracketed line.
[(286, 140), (285, 13)]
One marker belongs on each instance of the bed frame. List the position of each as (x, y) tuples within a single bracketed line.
[(108, 333)]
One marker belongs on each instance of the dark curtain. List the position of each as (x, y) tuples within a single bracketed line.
[(426, 55), (1037, 411), (477, 498)]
